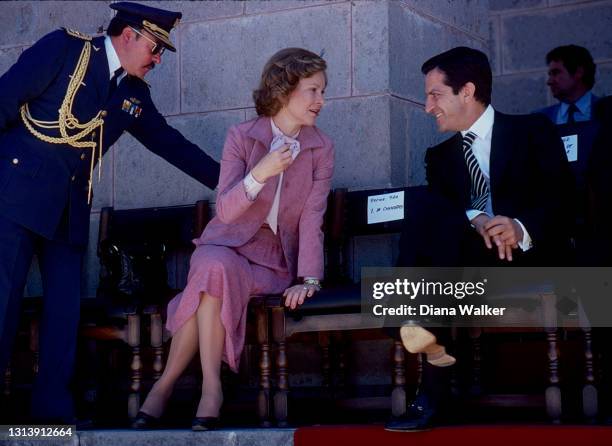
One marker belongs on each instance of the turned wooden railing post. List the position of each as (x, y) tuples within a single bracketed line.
[(133, 335), (263, 339), (398, 395), (282, 386), (157, 345)]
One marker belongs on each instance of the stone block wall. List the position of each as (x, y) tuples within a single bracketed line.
[(375, 97), (374, 108), (523, 31)]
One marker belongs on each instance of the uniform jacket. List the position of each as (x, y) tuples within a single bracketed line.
[(41, 183), (303, 199), (529, 176)]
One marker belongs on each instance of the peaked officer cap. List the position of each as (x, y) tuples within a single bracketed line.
[(158, 22)]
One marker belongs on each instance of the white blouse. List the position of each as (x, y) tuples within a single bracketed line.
[(253, 187)]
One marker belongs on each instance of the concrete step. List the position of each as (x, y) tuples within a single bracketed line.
[(171, 437)]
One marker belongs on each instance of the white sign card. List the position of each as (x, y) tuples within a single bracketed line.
[(571, 147), (386, 207)]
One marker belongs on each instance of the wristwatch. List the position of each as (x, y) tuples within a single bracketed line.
[(314, 282)]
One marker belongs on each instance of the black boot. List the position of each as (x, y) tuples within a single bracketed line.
[(420, 415), (423, 412)]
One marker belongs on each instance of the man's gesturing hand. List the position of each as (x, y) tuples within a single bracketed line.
[(481, 223), (506, 233)]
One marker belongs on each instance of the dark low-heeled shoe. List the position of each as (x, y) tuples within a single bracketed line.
[(144, 421), (205, 424)]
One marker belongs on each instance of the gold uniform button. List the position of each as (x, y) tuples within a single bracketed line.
[(72, 178), (15, 160), (103, 113), (82, 156), (93, 135)]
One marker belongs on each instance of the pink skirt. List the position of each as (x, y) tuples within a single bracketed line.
[(233, 275)]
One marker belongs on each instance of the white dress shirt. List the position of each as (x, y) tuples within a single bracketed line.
[(113, 60), (483, 129)]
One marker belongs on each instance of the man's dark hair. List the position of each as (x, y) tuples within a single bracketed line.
[(572, 57), (462, 65), (115, 27)]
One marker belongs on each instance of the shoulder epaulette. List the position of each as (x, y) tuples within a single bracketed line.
[(77, 34)]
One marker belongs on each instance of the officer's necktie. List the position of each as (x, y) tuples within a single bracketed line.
[(480, 189), (112, 86), (570, 113)]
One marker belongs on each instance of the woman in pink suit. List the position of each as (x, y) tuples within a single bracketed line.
[(276, 174)]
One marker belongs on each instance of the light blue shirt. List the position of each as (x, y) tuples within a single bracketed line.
[(583, 113)]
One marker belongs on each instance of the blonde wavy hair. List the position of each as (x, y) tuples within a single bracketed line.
[(281, 75)]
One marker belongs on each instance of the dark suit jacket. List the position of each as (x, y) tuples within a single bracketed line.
[(551, 111), (41, 182), (529, 177), (600, 186)]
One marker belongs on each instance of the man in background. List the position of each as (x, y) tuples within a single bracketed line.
[(571, 77)]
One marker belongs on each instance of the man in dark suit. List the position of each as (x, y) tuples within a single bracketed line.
[(63, 104), (600, 187), (595, 298), (496, 196), (571, 77)]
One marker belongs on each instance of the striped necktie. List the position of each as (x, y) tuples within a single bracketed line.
[(480, 189)]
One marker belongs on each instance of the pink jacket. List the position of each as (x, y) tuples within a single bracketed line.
[(303, 198)]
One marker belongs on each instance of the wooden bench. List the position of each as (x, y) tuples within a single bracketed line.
[(335, 309), (122, 310)]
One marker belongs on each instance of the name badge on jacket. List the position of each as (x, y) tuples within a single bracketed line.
[(131, 106), (571, 147)]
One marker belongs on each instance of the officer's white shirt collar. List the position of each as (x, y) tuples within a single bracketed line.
[(583, 104), (113, 60), (483, 126)]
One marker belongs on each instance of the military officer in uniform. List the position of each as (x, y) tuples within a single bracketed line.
[(62, 105)]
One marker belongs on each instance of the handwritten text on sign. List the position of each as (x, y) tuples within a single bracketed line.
[(386, 207), (571, 147)]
